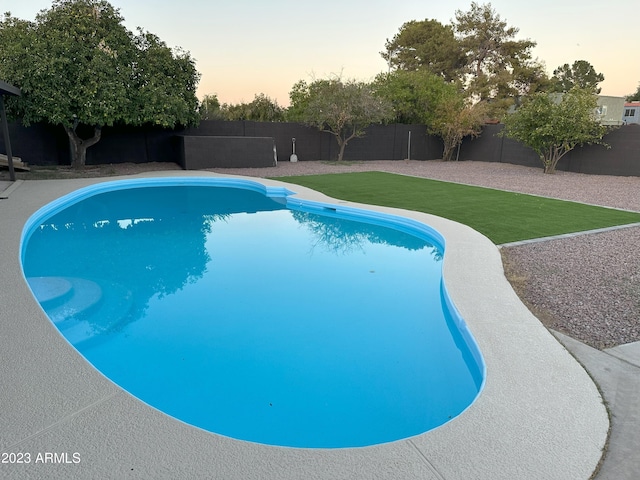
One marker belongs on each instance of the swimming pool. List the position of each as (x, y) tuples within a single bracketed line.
[(243, 311)]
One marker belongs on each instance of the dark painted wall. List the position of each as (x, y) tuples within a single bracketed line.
[(39, 144), (48, 145), (621, 158), (209, 151), (382, 142), (43, 144)]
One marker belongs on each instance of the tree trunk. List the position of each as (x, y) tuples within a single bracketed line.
[(450, 144), (553, 157), (78, 146), (343, 143), (447, 152), (341, 151), (550, 163)]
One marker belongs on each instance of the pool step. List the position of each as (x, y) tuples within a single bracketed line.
[(50, 291), (81, 309), (86, 294)]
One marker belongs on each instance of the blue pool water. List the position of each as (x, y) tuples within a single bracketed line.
[(249, 313)]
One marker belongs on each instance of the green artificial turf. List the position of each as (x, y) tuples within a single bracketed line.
[(502, 216)]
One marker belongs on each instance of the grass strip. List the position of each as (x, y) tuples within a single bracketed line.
[(502, 216)]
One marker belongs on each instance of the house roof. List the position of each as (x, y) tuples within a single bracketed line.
[(8, 89), (632, 104)]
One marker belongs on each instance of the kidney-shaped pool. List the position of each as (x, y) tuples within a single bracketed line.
[(242, 310)]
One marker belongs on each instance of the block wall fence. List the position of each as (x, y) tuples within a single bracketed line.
[(43, 144)]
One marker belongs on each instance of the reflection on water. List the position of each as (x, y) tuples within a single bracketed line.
[(123, 245), (341, 236), (117, 250)]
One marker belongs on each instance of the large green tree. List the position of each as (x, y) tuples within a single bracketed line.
[(529, 78), (581, 74), (342, 108), (414, 95), (553, 125), (79, 67), (478, 50), (495, 61), (425, 44)]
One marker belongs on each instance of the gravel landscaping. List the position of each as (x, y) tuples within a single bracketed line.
[(586, 286)]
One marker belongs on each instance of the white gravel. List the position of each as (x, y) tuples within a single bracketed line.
[(586, 286)]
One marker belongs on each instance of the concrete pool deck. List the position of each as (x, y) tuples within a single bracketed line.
[(539, 416)]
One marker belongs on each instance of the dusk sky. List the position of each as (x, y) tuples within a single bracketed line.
[(246, 47)]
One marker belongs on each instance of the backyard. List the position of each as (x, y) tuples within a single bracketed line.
[(502, 216), (585, 286)]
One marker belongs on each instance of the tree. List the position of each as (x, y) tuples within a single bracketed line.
[(210, 108), (300, 96), (264, 109), (423, 97), (261, 109), (166, 80), (343, 109), (414, 95), (456, 118), (79, 67), (530, 78), (426, 44), (494, 60), (554, 126), (581, 74), (634, 97)]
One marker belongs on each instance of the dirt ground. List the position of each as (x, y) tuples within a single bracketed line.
[(110, 170)]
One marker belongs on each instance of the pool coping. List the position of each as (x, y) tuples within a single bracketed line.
[(538, 416)]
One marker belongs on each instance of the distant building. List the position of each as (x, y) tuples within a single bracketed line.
[(610, 110), (631, 113)]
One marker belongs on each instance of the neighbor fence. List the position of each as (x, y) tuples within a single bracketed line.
[(43, 144)]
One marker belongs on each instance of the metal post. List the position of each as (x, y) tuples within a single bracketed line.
[(293, 157), (7, 141), (409, 146)]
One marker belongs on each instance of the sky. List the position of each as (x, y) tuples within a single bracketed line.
[(246, 47)]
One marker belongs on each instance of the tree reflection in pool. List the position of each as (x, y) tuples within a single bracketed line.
[(300, 326)]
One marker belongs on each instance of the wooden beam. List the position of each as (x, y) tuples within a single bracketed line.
[(18, 164), (8, 89)]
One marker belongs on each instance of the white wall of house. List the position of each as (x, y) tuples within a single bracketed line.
[(610, 109), (631, 113)]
